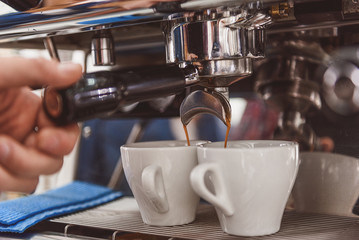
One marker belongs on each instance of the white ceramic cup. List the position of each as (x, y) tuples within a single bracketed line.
[(158, 175), (248, 183), (327, 183)]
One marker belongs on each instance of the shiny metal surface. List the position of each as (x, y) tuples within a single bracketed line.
[(81, 16), (220, 73), (73, 18), (201, 102), (44, 235), (285, 94), (293, 126), (103, 49), (220, 43), (209, 37), (206, 226), (191, 73), (341, 81), (340, 87), (51, 48), (287, 81)]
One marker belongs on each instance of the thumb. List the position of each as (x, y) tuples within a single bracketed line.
[(17, 71)]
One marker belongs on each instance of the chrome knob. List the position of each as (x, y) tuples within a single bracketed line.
[(341, 87), (102, 49)]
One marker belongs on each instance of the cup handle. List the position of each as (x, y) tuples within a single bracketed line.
[(153, 185), (218, 199)]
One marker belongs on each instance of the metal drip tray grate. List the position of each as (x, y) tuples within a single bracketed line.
[(206, 226)]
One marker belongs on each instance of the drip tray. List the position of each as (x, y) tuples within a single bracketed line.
[(121, 218)]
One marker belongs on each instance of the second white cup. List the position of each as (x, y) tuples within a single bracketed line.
[(327, 183), (248, 183)]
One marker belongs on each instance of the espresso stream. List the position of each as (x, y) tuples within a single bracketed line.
[(228, 124)]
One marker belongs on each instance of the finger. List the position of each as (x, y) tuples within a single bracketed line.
[(43, 120), (57, 141), (26, 162), (10, 182), (326, 144), (17, 71)]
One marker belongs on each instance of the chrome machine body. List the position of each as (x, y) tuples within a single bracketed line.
[(214, 44)]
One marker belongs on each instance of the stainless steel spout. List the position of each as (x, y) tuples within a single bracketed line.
[(200, 102)]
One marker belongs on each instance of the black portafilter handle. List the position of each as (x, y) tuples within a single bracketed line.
[(22, 5), (100, 94)]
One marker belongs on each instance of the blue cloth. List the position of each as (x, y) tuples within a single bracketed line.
[(19, 214)]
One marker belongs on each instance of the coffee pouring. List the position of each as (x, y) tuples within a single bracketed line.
[(200, 102)]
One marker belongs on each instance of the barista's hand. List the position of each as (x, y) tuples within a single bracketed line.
[(30, 145)]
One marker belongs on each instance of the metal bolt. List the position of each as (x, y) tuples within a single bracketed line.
[(86, 132)]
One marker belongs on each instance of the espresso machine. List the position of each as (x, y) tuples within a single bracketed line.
[(187, 58)]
